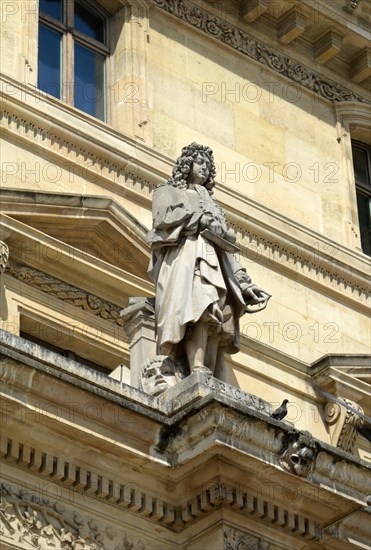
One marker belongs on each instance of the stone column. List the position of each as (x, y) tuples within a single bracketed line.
[(139, 318)]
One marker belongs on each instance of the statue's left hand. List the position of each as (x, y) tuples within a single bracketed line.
[(254, 295)]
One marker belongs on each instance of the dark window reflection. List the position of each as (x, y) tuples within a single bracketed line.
[(360, 166), (49, 75), (364, 214), (88, 23), (53, 8), (89, 82)]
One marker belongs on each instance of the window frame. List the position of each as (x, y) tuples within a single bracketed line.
[(361, 188), (70, 36)]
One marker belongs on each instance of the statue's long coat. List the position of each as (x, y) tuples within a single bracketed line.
[(190, 272)]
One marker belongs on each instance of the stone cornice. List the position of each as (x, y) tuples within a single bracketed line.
[(196, 416), (34, 248), (254, 49), (213, 428)]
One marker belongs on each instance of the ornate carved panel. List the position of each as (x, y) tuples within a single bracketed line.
[(33, 521), (68, 293)]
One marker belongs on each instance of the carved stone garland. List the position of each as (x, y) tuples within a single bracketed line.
[(34, 521), (68, 293), (258, 51)]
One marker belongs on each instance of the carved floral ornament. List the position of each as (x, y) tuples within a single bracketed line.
[(258, 51), (36, 522), (237, 540), (68, 293)]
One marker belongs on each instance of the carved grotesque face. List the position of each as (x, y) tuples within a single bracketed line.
[(200, 170), (158, 376)]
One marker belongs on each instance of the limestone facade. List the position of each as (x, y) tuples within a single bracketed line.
[(278, 90)]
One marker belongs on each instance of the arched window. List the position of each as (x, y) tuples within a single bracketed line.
[(72, 54), (362, 172)]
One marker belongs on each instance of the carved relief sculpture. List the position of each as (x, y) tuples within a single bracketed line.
[(159, 374), (201, 289), (4, 256), (343, 423), (298, 453)]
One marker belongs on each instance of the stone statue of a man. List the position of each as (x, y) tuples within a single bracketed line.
[(201, 289)]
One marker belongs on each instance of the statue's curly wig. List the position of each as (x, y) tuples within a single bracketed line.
[(184, 163)]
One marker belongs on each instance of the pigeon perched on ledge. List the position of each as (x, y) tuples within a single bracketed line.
[(281, 412)]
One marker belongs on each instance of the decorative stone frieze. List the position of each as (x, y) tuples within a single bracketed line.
[(68, 293), (86, 163), (241, 41), (37, 522), (308, 264), (237, 540)]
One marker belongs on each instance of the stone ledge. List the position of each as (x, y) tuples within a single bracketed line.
[(190, 397)]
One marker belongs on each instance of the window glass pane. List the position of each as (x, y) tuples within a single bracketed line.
[(360, 166), (49, 76), (88, 23), (89, 82), (52, 8), (364, 215)]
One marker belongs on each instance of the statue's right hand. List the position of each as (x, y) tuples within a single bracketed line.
[(205, 220)]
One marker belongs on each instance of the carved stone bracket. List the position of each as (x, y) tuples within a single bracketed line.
[(4, 256), (298, 453), (343, 423), (241, 41)]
